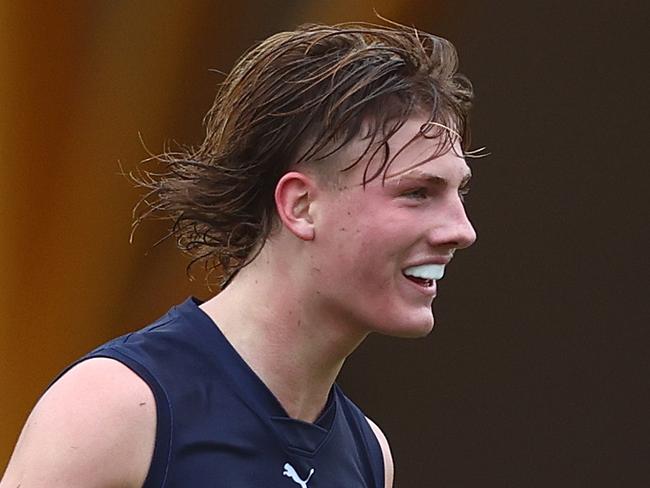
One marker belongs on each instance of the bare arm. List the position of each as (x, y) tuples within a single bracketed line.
[(94, 428), (389, 469)]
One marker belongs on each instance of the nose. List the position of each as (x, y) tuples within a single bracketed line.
[(466, 232), (454, 229)]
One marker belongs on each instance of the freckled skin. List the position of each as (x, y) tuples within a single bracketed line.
[(367, 236)]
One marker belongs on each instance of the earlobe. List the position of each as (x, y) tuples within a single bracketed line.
[(294, 194)]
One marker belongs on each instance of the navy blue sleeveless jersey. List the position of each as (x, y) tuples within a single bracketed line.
[(219, 426)]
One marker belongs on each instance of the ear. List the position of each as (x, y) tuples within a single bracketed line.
[(294, 195)]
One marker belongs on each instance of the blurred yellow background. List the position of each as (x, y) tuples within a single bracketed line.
[(79, 82), (534, 369)]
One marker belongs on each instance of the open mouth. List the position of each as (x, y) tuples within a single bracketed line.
[(424, 275), (420, 281)]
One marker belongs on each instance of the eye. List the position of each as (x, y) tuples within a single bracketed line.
[(416, 193)]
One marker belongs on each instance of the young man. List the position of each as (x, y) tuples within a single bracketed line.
[(329, 195)]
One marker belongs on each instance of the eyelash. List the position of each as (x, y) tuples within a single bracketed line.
[(422, 193), (463, 192), (418, 193)]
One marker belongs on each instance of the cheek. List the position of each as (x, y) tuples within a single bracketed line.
[(360, 244), (369, 264)]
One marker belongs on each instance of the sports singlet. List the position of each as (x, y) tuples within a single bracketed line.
[(219, 426)]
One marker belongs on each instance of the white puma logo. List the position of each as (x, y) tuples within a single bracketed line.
[(291, 473)]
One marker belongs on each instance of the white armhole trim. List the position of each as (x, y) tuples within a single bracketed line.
[(389, 469)]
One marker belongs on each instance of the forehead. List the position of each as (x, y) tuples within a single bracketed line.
[(410, 153)]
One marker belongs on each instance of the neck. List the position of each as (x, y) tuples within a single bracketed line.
[(296, 350)]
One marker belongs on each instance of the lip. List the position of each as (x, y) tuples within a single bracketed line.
[(432, 260), (430, 291)]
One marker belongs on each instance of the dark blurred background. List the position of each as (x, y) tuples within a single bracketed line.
[(536, 374)]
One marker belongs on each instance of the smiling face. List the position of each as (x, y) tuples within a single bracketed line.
[(369, 240)]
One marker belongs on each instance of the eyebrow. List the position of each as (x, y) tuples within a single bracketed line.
[(429, 178)]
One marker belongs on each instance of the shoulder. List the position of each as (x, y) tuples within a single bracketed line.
[(389, 468), (94, 427)]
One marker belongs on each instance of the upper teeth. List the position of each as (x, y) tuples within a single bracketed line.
[(426, 271)]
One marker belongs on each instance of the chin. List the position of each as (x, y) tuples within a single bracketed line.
[(409, 330), (415, 334)]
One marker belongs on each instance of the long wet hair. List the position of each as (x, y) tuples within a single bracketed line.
[(297, 98)]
